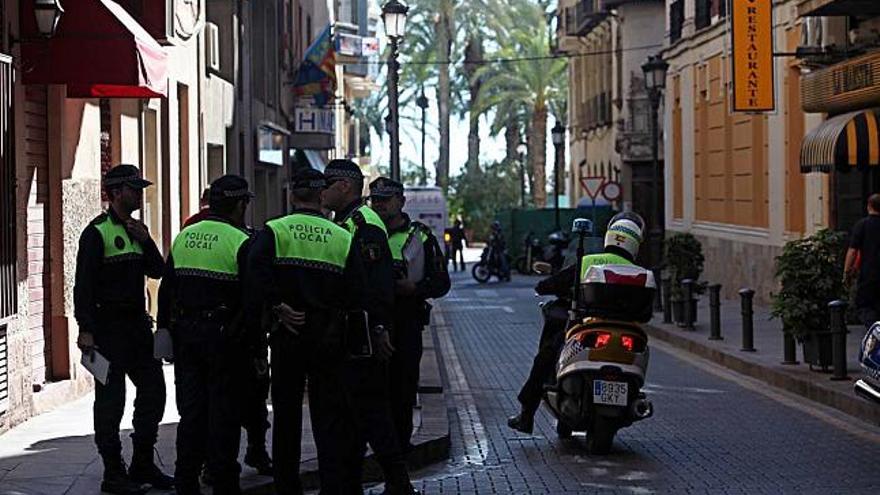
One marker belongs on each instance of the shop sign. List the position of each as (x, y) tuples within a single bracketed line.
[(753, 74), (314, 120), (850, 85)]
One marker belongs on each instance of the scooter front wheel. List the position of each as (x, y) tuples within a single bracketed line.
[(562, 430), (481, 273), (521, 265)]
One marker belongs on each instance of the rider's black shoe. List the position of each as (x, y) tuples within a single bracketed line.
[(523, 422)]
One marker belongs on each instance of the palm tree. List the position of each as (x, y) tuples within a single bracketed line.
[(532, 83)]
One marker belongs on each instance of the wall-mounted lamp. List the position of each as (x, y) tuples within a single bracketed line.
[(48, 13)]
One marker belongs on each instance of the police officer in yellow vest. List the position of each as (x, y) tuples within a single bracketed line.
[(419, 274), (303, 270), (367, 378), (200, 303), (115, 254)]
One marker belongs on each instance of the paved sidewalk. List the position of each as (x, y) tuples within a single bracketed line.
[(54, 453), (766, 362)]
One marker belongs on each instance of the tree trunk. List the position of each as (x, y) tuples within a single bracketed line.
[(473, 55), (444, 29), (511, 141), (538, 155)]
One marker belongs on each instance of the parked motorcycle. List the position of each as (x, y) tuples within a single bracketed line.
[(490, 265), (533, 250), (868, 387), (601, 369)]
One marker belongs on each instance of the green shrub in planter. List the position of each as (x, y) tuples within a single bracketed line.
[(809, 272), (683, 259)]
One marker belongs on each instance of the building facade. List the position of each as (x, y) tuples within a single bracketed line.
[(734, 179), (609, 110)]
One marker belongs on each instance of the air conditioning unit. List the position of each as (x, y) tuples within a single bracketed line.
[(212, 46)]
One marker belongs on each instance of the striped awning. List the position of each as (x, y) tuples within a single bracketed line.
[(847, 141)]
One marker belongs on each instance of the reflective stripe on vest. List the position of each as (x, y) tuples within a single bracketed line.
[(601, 259), (208, 249), (370, 216), (398, 241), (118, 246), (310, 241)]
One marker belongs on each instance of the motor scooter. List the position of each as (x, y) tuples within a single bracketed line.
[(868, 387), (601, 369), (532, 251)]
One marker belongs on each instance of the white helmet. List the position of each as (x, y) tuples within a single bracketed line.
[(624, 234)]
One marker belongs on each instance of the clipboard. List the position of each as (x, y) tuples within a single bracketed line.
[(97, 365)]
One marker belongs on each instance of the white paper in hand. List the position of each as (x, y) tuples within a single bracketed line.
[(414, 254), (163, 348), (97, 365)]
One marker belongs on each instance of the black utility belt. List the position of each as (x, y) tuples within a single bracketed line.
[(203, 314)]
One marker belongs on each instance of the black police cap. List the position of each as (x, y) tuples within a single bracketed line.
[(308, 178), (125, 174), (383, 187), (230, 187), (343, 168)]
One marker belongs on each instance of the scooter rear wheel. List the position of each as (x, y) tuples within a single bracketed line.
[(600, 437), (481, 273), (562, 430)]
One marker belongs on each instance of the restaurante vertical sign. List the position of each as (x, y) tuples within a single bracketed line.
[(753, 86)]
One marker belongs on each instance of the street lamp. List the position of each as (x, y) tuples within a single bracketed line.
[(422, 102), (558, 133), (48, 13), (394, 17), (655, 82), (522, 149)]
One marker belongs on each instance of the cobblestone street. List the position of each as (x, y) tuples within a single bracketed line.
[(713, 432)]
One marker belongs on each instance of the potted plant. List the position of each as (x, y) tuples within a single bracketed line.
[(683, 255), (809, 273)]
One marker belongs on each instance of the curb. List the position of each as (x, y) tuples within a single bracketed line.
[(847, 403), (431, 442)]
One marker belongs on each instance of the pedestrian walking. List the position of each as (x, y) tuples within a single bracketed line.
[(367, 376), (863, 263), (419, 274), (200, 303), (303, 270), (115, 253), (457, 241)]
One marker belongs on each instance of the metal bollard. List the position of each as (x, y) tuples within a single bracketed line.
[(748, 323), (688, 286), (838, 339), (715, 312), (789, 348), (667, 300)]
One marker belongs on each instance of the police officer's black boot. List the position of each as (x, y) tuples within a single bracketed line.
[(116, 479), (144, 470), (257, 458), (397, 480), (524, 421)]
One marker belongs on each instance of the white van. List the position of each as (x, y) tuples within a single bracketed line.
[(428, 206)]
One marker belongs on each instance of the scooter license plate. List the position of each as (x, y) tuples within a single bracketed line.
[(610, 393)]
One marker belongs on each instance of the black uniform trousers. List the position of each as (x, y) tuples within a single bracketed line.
[(209, 372), (404, 376), (294, 360), (544, 364), (125, 338), (254, 412), (367, 383)]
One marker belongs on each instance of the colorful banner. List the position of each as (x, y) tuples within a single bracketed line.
[(316, 76), (753, 75)]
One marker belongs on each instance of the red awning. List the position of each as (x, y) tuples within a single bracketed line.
[(98, 50)]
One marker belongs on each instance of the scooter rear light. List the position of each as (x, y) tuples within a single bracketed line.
[(594, 340), (627, 342)]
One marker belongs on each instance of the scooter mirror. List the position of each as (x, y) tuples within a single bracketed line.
[(582, 226), (542, 267)]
